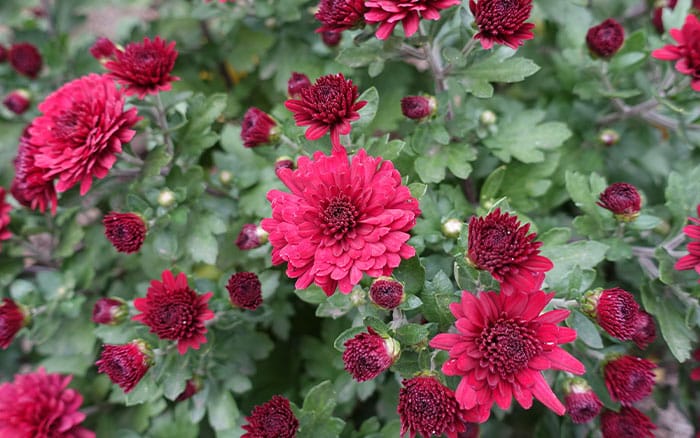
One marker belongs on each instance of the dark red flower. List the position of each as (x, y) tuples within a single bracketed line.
[(605, 39), (339, 15), (367, 355), (296, 83), (144, 68), (30, 186), (81, 131), (250, 237), (258, 128), (629, 379), (17, 101), (109, 311), (26, 59), (386, 293), (331, 38), (175, 312), (126, 231), (40, 405), (3, 53), (499, 244), (192, 386), (388, 13), (418, 107), (272, 419), (622, 200), (628, 423), (244, 290), (646, 330), (427, 407), (330, 104), (695, 373), (103, 48), (502, 22), (125, 364), (12, 319), (582, 404), (692, 259), (687, 52), (615, 309), (5, 209)]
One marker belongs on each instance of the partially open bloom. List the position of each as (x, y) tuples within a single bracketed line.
[(330, 104), (388, 13), (386, 293), (499, 244), (331, 229), (30, 186), (629, 422), (244, 290), (692, 259), (258, 128), (687, 52), (12, 319), (192, 386), (273, 418), (331, 38), (582, 404), (126, 231), (427, 407), (40, 405), (615, 310), (629, 379), (339, 15), (174, 311), (144, 68), (418, 107), (125, 364), (109, 311), (605, 39), (646, 330), (502, 22), (622, 200), (17, 101), (367, 355), (296, 83), (5, 209), (502, 345), (251, 236), (103, 48), (26, 59), (81, 131)]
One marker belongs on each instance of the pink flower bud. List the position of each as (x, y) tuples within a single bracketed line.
[(418, 107), (110, 311), (26, 59), (17, 101)]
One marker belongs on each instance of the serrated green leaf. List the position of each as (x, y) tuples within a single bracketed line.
[(412, 274), (202, 246), (496, 69), (584, 254), (683, 193), (437, 297), (368, 111), (320, 399), (671, 317), (222, 410), (492, 184), (155, 161), (411, 334), (312, 295)]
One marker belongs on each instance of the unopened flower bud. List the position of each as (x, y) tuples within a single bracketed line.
[(418, 107), (126, 231), (103, 49), (166, 198), (386, 293), (284, 162), (615, 310), (192, 386), (452, 227), (225, 177), (110, 311), (296, 83), (488, 118), (605, 39), (258, 128), (17, 101), (609, 137), (245, 290), (331, 38), (357, 296), (622, 200), (582, 404), (251, 236), (26, 59)]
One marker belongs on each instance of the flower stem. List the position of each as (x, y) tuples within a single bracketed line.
[(163, 125)]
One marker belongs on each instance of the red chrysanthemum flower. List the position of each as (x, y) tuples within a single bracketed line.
[(109, 311), (81, 130), (502, 346), (339, 15), (388, 13), (30, 186), (499, 244), (103, 48), (250, 237), (26, 59), (12, 319), (628, 423), (646, 330), (5, 209), (695, 373), (40, 405), (605, 39), (582, 404), (629, 379), (330, 104), (17, 101), (272, 419), (418, 107), (244, 290), (367, 355), (296, 83), (342, 219), (692, 259), (687, 52), (615, 310), (126, 231), (502, 22), (622, 200), (386, 293), (427, 407), (258, 128), (125, 364), (175, 312), (144, 68)]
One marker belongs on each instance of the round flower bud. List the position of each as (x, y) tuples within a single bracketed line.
[(605, 39), (609, 137), (629, 422), (296, 83), (418, 107), (582, 404), (17, 101), (629, 379), (125, 364), (331, 38), (357, 296), (615, 310), (12, 318), (452, 227), (386, 293), (103, 49), (488, 118), (225, 177), (245, 290), (250, 237), (126, 231), (368, 354), (622, 200), (111, 311), (26, 59), (283, 162), (166, 198), (272, 419), (258, 128)]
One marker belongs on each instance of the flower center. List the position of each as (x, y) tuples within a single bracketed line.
[(173, 320), (507, 346), (338, 216)]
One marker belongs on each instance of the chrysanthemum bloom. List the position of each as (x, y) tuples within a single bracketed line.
[(30, 186), (502, 346), (687, 52), (615, 310), (296, 83), (367, 355), (244, 290), (126, 231), (628, 423), (502, 22), (258, 128), (605, 39), (330, 104), (81, 131), (339, 15), (332, 228), (5, 209), (103, 48), (250, 237), (110, 311), (17, 101), (144, 68), (695, 373), (125, 364), (273, 418), (582, 404), (26, 59), (40, 405), (427, 407), (418, 107), (622, 200), (386, 293), (499, 244), (629, 379), (388, 13), (646, 330), (12, 319), (692, 259), (331, 38), (192, 386), (175, 312)]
